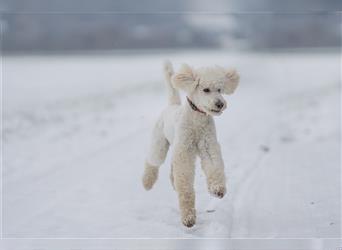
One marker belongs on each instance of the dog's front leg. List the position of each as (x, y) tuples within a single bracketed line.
[(183, 163), (213, 166)]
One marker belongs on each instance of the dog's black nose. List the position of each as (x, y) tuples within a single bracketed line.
[(219, 104)]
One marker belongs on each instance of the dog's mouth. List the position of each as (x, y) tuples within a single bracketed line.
[(215, 111)]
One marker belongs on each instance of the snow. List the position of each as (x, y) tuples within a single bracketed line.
[(76, 130)]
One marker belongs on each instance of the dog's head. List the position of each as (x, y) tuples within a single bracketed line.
[(205, 86)]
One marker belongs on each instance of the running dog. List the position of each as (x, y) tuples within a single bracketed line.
[(190, 128)]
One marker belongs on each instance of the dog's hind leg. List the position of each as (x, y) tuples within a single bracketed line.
[(157, 154)]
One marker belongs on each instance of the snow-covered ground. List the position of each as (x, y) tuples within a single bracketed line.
[(76, 131)]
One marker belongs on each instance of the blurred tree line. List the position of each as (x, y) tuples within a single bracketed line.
[(95, 25)]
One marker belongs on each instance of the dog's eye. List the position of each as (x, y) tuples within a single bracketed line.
[(219, 90), (206, 90)]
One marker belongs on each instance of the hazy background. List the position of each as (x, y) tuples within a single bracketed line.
[(60, 25)]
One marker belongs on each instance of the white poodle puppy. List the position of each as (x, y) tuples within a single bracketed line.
[(190, 128)]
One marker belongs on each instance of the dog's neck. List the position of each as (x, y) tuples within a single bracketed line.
[(194, 107), (197, 118)]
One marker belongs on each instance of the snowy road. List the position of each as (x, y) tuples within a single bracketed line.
[(76, 130)]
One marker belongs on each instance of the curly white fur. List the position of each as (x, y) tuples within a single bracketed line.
[(191, 132)]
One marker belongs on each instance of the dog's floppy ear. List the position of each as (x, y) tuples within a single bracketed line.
[(184, 79), (232, 79)]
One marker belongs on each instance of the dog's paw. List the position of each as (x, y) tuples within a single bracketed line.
[(217, 190), (150, 176), (189, 220)]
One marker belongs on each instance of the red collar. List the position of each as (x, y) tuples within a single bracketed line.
[(194, 107)]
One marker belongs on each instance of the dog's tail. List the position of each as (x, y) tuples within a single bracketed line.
[(174, 98)]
